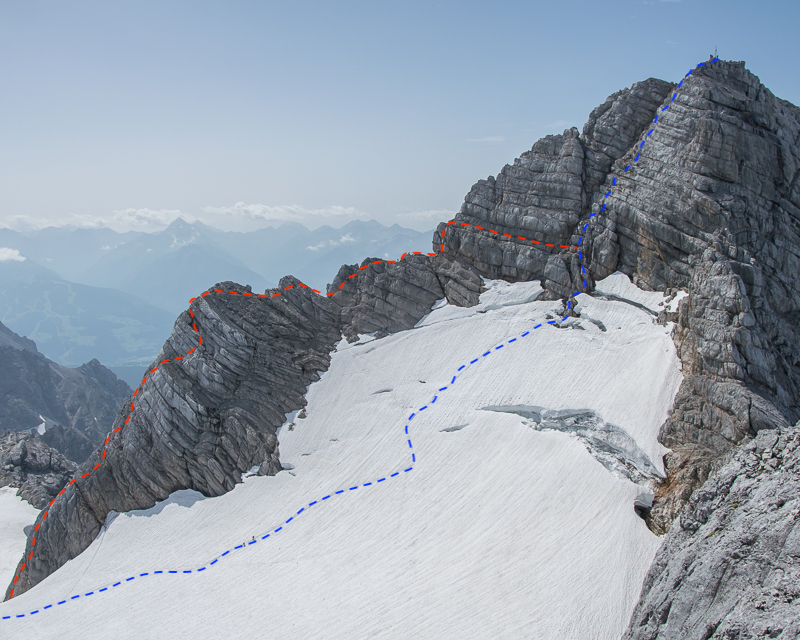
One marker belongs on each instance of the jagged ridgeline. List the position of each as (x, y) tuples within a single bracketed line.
[(692, 187)]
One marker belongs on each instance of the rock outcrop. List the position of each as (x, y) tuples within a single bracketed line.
[(729, 567), (706, 199), (392, 297), (34, 468), (233, 367), (77, 405), (547, 192)]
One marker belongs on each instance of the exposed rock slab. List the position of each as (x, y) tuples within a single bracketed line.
[(34, 468), (729, 567)]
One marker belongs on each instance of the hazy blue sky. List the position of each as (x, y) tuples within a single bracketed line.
[(324, 111)]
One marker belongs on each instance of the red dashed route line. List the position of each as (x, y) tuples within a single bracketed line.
[(167, 360), (267, 295), (509, 235), (200, 342), (303, 286)]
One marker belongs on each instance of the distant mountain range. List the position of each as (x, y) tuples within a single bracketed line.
[(74, 323), (96, 293), (71, 409)]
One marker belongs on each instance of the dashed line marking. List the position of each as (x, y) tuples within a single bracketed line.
[(300, 285)]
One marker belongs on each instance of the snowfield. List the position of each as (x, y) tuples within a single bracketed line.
[(15, 515), (501, 529)]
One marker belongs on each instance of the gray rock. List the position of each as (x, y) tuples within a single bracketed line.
[(201, 421), (77, 406), (27, 390), (711, 207), (35, 469), (728, 568), (392, 297), (10, 339), (548, 190)]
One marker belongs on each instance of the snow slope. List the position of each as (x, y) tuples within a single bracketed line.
[(497, 531), (15, 515)]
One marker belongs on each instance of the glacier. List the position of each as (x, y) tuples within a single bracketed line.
[(498, 530)]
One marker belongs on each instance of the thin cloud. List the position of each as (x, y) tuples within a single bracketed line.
[(143, 219), (488, 139), (255, 215), (147, 220), (11, 255), (345, 239), (557, 125), (239, 217)]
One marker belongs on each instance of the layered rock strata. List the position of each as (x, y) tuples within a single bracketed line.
[(547, 192), (392, 297), (201, 420), (730, 565), (711, 206), (706, 199)]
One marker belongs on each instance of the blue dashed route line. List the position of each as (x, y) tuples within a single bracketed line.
[(302, 510), (396, 474), (628, 167)]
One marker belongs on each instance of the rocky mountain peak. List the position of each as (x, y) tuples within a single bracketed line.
[(690, 186), (694, 186)]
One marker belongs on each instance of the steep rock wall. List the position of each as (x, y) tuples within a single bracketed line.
[(728, 568), (706, 199)]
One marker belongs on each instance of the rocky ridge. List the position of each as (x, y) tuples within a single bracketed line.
[(231, 370), (711, 206)]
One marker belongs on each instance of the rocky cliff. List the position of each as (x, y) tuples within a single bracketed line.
[(71, 409), (693, 186)]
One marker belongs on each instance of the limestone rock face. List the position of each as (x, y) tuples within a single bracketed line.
[(29, 464), (548, 191), (728, 567), (208, 409), (388, 298), (693, 187)]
